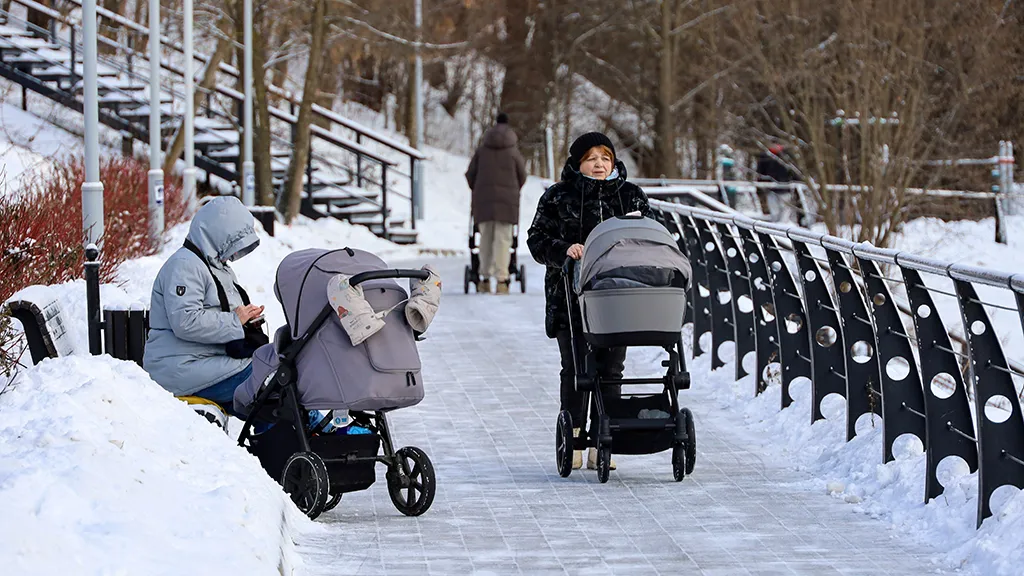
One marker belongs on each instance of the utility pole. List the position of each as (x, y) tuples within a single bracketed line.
[(248, 166), (156, 173), (92, 188), (189, 176), (418, 102)]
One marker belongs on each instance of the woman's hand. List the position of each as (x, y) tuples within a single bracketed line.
[(575, 251), (247, 313)]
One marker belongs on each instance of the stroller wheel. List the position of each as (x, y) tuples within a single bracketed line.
[(690, 444), (466, 279), (604, 460), (678, 463), (411, 481), (564, 444), (333, 502), (305, 480), (522, 278)]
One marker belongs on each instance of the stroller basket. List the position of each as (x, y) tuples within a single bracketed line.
[(274, 446)]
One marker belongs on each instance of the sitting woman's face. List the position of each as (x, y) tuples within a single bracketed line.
[(597, 163)]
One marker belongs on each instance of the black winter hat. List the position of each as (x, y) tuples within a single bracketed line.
[(502, 118), (584, 143)]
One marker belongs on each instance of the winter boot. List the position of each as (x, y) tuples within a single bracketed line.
[(592, 460), (502, 287), (208, 409), (577, 455)]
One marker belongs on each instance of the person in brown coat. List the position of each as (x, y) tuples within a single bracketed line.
[(496, 174)]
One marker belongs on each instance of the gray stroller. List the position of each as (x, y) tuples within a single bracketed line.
[(629, 289), (312, 365)]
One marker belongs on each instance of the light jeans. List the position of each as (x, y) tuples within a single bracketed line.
[(495, 250)]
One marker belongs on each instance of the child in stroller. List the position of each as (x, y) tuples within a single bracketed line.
[(313, 365), (628, 289)]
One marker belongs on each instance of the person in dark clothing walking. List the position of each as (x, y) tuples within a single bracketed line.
[(496, 174), (592, 188), (772, 167)]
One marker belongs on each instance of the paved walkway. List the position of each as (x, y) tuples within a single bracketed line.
[(501, 508)]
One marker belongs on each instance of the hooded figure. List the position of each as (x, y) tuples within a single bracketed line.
[(592, 189), (187, 347), (495, 175)]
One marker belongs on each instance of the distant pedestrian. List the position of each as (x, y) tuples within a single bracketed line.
[(773, 167), (496, 175)]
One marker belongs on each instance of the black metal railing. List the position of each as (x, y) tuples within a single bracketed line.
[(834, 320)]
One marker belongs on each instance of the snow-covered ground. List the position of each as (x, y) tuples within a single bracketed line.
[(102, 472)]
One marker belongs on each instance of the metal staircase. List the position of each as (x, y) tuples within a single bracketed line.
[(360, 180)]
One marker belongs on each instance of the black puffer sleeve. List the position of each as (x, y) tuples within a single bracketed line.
[(544, 237)]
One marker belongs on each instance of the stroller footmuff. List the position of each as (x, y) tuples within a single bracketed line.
[(628, 290), (313, 365)]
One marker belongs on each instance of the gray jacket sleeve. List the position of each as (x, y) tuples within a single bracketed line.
[(189, 318)]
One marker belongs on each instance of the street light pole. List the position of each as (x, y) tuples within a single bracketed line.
[(156, 173), (92, 188), (248, 166), (189, 176), (418, 101)]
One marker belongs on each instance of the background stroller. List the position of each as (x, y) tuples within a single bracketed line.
[(629, 289), (472, 276), (312, 365)]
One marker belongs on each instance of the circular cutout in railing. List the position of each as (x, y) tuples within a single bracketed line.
[(768, 312), (826, 336), (950, 470), (709, 247), (998, 409), (833, 406), (731, 252), (845, 287), (800, 389), (1001, 498), (810, 276), (703, 291), (878, 299), (867, 423), (745, 304), (862, 351), (776, 266), (897, 368), (753, 257), (794, 323), (705, 342), (978, 327), (750, 362), (727, 351), (924, 311), (943, 385), (772, 373), (724, 296), (907, 446)]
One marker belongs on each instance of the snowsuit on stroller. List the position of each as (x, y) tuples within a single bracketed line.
[(313, 365)]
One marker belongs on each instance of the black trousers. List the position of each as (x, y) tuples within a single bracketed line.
[(610, 364)]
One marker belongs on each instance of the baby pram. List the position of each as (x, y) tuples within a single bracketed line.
[(312, 365), (472, 276), (629, 289)]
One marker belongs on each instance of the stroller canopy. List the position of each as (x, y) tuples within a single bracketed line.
[(302, 278), (638, 249)]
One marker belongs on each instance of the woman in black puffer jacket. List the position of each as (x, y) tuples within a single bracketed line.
[(592, 189)]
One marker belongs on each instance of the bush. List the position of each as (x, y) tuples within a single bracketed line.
[(41, 241)]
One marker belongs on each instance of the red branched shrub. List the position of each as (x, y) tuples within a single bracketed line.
[(41, 241)]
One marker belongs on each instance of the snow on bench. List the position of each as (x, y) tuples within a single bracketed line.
[(43, 320)]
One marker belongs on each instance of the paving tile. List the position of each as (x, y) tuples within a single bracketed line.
[(488, 425)]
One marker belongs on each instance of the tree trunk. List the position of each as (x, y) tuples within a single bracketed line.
[(292, 198), (209, 78), (665, 143), (110, 29), (262, 140)]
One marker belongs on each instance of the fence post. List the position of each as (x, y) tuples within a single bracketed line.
[(92, 299)]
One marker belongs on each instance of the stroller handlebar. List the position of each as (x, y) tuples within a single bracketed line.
[(381, 274)]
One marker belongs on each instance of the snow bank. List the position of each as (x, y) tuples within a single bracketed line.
[(104, 472)]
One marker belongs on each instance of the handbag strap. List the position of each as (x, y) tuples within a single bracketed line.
[(221, 294)]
